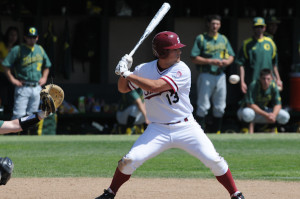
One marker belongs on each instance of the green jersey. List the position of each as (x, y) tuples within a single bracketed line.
[(217, 47), (129, 98), (256, 55), (262, 98), (1, 122), (27, 62)]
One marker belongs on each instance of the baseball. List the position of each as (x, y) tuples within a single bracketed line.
[(234, 79)]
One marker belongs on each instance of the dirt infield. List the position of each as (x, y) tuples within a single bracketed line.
[(137, 188)]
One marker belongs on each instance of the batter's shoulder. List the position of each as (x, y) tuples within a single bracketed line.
[(146, 67), (182, 66)]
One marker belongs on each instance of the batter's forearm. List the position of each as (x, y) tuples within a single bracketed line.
[(149, 84)]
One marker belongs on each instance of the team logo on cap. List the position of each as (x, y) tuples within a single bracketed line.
[(32, 31), (259, 20)]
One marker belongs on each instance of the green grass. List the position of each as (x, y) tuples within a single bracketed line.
[(258, 156)]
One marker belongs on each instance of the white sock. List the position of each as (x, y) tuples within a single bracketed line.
[(235, 194), (110, 191)]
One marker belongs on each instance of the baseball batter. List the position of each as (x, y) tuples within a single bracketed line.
[(166, 84)]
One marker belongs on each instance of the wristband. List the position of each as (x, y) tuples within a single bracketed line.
[(27, 121)]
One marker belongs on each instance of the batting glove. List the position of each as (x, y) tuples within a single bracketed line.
[(126, 74), (121, 66), (124, 64), (128, 60)]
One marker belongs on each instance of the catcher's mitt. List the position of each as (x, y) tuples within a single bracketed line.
[(52, 97)]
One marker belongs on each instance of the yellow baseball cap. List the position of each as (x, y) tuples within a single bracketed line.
[(259, 21)]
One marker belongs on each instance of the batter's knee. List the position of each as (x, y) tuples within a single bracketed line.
[(126, 165), (218, 167)]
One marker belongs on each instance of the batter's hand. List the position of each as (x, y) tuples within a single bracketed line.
[(121, 67), (128, 60), (124, 64)]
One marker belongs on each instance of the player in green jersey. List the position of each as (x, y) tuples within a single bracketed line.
[(27, 67), (262, 103), (211, 53), (257, 53)]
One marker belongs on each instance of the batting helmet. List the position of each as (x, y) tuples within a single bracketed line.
[(164, 41)]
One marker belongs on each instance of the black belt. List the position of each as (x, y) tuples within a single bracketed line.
[(184, 120), (30, 84)]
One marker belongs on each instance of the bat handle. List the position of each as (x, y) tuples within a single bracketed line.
[(132, 52)]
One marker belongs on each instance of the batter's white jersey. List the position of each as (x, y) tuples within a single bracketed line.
[(168, 106)]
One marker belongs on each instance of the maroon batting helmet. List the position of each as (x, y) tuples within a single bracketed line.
[(164, 41)]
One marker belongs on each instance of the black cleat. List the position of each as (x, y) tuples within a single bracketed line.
[(238, 196), (106, 195)]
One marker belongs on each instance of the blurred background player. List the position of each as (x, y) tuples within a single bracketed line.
[(31, 68), (257, 52), (131, 112), (166, 84), (272, 26), (10, 39), (262, 103), (211, 53)]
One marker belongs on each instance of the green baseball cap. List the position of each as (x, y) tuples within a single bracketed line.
[(259, 21), (32, 32)]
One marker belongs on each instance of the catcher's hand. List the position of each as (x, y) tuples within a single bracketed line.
[(52, 97)]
